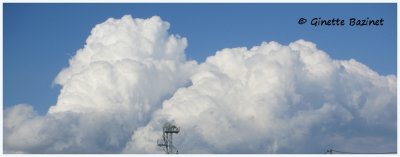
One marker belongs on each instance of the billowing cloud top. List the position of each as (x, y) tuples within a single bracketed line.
[(132, 76)]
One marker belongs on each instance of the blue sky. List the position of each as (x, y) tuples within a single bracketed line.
[(39, 39)]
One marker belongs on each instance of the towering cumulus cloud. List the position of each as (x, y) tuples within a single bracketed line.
[(132, 77), (112, 86), (278, 99)]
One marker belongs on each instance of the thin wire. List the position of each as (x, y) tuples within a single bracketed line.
[(343, 152)]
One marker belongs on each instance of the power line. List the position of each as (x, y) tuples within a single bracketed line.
[(331, 151)]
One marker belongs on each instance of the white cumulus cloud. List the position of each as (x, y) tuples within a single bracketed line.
[(274, 98), (111, 87), (132, 76)]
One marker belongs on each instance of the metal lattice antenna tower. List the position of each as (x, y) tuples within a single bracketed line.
[(166, 141)]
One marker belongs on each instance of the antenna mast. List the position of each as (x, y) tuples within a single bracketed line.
[(166, 141)]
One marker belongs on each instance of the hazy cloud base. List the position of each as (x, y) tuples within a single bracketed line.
[(132, 76)]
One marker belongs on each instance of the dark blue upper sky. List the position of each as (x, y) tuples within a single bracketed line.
[(39, 39)]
